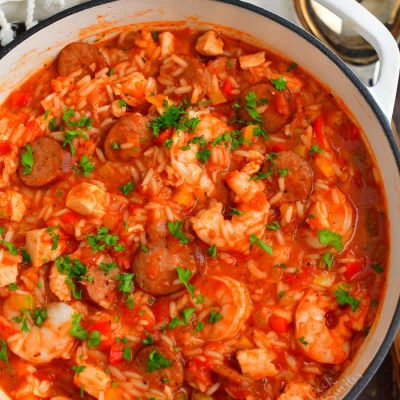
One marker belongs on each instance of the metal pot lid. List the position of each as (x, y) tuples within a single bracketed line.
[(339, 35)]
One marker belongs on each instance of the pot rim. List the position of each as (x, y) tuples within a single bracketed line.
[(371, 369)]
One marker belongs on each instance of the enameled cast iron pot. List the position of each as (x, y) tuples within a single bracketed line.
[(372, 108)]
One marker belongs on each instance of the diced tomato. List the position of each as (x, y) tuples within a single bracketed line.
[(20, 99), (70, 218), (116, 353), (132, 207), (160, 310), (33, 126), (279, 324), (164, 135), (353, 268), (5, 148), (227, 87), (319, 131)]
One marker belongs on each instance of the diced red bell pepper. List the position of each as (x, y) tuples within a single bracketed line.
[(132, 207), (352, 269), (277, 147), (5, 148), (33, 126), (20, 99), (70, 218), (279, 324), (105, 330), (227, 87), (116, 353), (164, 135), (319, 131)]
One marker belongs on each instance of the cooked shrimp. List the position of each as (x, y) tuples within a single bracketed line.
[(332, 210), (298, 391), (92, 380), (132, 89), (317, 341), (211, 227), (44, 343), (228, 297)]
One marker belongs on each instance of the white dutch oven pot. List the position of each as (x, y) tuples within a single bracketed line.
[(371, 108)]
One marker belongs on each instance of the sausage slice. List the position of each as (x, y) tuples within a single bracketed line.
[(298, 178), (131, 130), (155, 271), (50, 162), (170, 373), (80, 55), (281, 106)]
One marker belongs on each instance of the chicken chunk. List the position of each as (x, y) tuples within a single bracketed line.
[(58, 284), (92, 380), (40, 246), (210, 44), (252, 60), (87, 199), (12, 205), (9, 269), (257, 363), (167, 43)]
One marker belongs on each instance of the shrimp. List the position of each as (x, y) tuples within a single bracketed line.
[(316, 340), (298, 391), (132, 88), (228, 297), (332, 210), (233, 235), (42, 344)]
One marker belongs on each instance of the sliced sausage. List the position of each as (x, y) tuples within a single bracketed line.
[(299, 178), (79, 55), (155, 270), (132, 129), (158, 378), (50, 162), (280, 108), (237, 385)]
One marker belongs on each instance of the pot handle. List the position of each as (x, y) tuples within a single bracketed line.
[(374, 32)]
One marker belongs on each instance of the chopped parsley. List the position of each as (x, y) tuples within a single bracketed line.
[(175, 117), (104, 238), (235, 211), (283, 172), (69, 136), (315, 149), (10, 247), (199, 326), (155, 35), (22, 319), (94, 339), (223, 137), (291, 67), (328, 258), (127, 353), (175, 228), (82, 122), (54, 237), (203, 155), (254, 240), (125, 282), (281, 293), (343, 297), (121, 103), (78, 368), (157, 361), (251, 106), (3, 351), (115, 146), (27, 160), (168, 143), (86, 165), (144, 248), (148, 340), (107, 267), (303, 341), (329, 238), (127, 188), (12, 287), (274, 226), (184, 276), (39, 315), (52, 124), (187, 313), (377, 268), (25, 255), (212, 251), (77, 330), (214, 317), (261, 175), (279, 83)]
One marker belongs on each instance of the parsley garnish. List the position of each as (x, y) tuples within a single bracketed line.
[(279, 83), (261, 175), (12, 287), (343, 297), (77, 330), (78, 368), (274, 226), (329, 238), (115, 146), (10, 247), (328, 259), (94, 339), (107, 267), (283, 172), (144, 248), (157, 361), (39, 315), (27, 160), (254, 240), (315, 149), (214, 317), (377, 268), (86, 165), (127, 353), (199, 327), (103, 239), (168, 143), (22, 319), (175, 229), (212, 251), (126, 282), (127, 188), (291, 67), (148, 340), (155, 35), (251, 106), (235, 211), (52, 124), (121, 103), (303, 341), (203, 155), (3, 351)]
